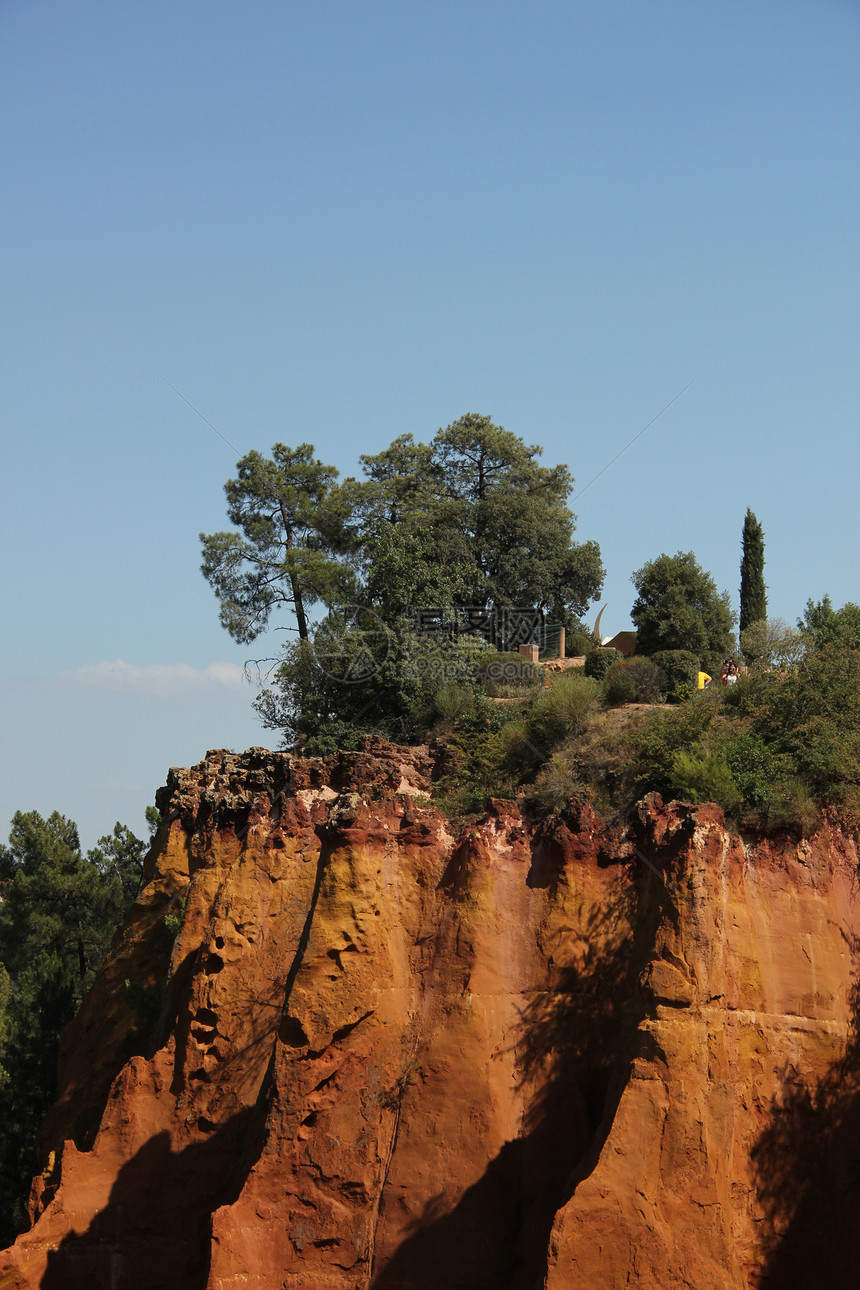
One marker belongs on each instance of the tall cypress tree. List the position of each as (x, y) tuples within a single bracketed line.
[(753, 592)]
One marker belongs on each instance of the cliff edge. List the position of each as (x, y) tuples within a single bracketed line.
[(341, 1044)]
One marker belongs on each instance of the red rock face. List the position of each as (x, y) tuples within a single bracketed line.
[(381, 1054)]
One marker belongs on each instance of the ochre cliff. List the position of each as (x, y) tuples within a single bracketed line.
[(381, 1053)]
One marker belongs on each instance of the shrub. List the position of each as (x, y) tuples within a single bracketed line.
[(508, 676), (680, 668), (562, 710), (810, 720), (767, 784), (605, 759), (755, 769), (556, 785), (792, 805), (635, 680), (452, 701), (333, 737), (172, 921), (578, 640), (778, 746), (665, 734), (599, 661), (517, 748), (172, 925), (479, 765), (704, 775)]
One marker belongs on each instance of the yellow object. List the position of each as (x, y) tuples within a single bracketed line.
[(702, 679)]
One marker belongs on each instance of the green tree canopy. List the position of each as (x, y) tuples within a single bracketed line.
[(498, 522), (400, 487), (292, 534), (404, 570), (58, 911), (810, 715), (679, 607), (753, 592), (822, 625), (470, 521), (118, 857), (5, 993), (56, 902)]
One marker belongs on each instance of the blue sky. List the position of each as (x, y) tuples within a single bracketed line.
[(340, 222)]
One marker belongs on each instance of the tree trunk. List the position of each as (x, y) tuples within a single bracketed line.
[(295, 587)]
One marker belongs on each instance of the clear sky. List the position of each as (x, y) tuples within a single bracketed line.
[(338, 222)]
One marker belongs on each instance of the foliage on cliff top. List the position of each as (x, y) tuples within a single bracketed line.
[(471, 519), (350, 682), (678, 606), (774, 750)]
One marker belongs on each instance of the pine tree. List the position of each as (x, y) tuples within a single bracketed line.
[(288, 554), (753, 591), (58, 910)]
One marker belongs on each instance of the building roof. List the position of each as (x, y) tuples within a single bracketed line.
[(625, 642)]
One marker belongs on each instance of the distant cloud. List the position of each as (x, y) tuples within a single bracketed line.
[(160, 680)]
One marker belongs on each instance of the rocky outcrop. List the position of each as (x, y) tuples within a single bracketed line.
[(743, 1076), (340, 1044)]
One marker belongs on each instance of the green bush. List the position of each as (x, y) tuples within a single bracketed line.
[(347, 683), (776, 747), (556, 785), (704, 775), (508, 675), (562, 710), (635, 680), (452, 701), (809, 719), (479, 764), (680, 667), (755, 768), (792, 805), (517, 749), (492, 752), (604, 758), (578, 640), (599, 661), (665, 734), (173, 920)]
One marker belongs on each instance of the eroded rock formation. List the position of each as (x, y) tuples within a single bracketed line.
[(383, 1054)]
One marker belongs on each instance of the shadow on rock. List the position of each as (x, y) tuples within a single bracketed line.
[(155, 1230), (807, 1164), (498, 1233)]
